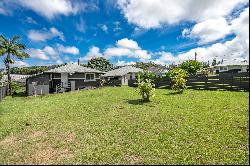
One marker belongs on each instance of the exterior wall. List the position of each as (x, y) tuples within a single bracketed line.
[(41, 84), (77, 75), (227, 68), (125, 79)]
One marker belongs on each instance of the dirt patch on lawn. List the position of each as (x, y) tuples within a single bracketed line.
[(37, 134), (45, 153), (8, 141), (133, 159)]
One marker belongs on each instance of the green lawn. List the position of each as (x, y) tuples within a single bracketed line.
[(111, 126)]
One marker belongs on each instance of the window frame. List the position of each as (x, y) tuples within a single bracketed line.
[(94, 79)]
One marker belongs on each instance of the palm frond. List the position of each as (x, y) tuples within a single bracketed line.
[(15, 39)]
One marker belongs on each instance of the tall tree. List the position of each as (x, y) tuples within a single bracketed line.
[(100, 63), (11, 48), (191, 66)]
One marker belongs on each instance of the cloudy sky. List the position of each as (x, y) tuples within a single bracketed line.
[(128, 31)]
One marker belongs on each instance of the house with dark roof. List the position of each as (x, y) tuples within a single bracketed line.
[(65, 78), (122, 75)]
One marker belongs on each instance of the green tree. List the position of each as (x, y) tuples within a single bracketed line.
[(145, 85), (214, 62), (178, 81), (100, 63), (11, 48), (191, 66)]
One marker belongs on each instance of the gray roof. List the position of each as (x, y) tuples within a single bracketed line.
[(122, 71), (73, 68)]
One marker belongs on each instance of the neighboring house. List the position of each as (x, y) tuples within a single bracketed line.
[(64, 78), (15, 77), (122, 74), (234, 67), (159, 71)]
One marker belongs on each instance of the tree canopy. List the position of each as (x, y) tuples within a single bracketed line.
[(100, 63), (191, 66)]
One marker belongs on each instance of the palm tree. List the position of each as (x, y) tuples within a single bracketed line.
[(11, 48)]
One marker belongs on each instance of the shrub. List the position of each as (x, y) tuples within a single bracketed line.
[(178, 82), (16, 87), (145, 85), (191, 66)]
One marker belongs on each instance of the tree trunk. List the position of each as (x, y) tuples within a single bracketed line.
[(8, 74), (146, 97)]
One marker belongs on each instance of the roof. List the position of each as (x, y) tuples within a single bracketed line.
[(73, 68), (155, 69), (122, 71), (233, 64)]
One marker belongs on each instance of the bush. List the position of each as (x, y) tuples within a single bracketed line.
[(191, 66), (178, 82), (145, 85), (16, 87)]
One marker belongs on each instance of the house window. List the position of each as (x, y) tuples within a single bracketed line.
[(223, 68), (97, 76), (90, 76)]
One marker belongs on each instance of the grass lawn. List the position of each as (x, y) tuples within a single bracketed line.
[(111, 126)]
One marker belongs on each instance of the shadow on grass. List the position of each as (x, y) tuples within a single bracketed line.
[(136, 102), (20, 94), (174, 93)]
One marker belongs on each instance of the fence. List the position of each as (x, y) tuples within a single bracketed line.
[(113, 82), (223, 81), (3, 92)]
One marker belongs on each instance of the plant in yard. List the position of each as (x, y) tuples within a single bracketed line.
[(145, 85), (178, 81), (11, 48), (102, 82), (191, 66)]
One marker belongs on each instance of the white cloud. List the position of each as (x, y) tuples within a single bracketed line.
[(38, 54), (45, 35), (94, 52), (20, 64), (81, 26), (151, 14), (209, 30), (52, 8), (240, 25), (67, 49), (30, 20), (214, 29), (126, 43), (104, 28), (59, 62), (49, 50), (123, 63), (129, 48), (117, 52), (228, 51)]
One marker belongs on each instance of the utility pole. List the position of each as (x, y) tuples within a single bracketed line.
[(195, 55)]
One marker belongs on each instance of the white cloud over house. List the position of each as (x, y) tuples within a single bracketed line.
[(50, 53), (94, 52), (152, 14), (128, 48), (44, 35), (68, 49), (51, 8)]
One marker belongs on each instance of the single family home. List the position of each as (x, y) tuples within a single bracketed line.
[(64, 78), (232, 67), (122, 75)]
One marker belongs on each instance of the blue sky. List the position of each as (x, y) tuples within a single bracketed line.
[(127, 31)]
